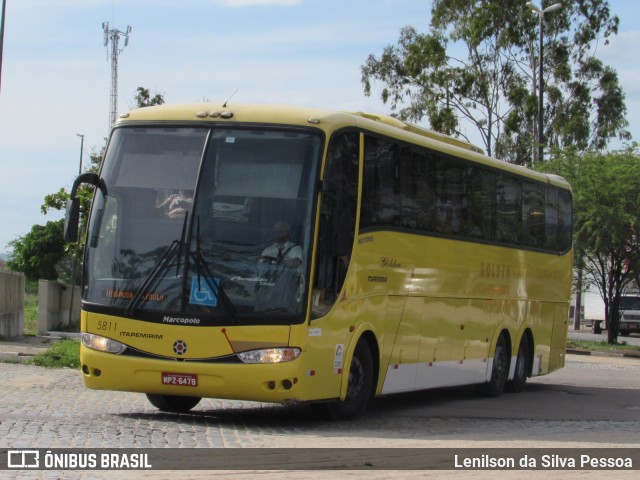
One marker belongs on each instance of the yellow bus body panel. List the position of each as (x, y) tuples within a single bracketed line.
[(304, 378), (432, 307), (448, 302)]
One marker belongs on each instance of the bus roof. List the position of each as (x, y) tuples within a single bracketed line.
[(327, 120), (425, 132)]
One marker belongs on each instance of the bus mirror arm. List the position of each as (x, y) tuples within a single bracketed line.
[(88, 177), (72, 214)]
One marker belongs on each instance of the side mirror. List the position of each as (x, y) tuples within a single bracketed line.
[(71, 220), (72, 214)]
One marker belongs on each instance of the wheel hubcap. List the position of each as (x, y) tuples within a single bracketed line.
[(356, 379)]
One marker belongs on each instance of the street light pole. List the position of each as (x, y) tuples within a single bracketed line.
[(541, 13), (77, 252), (4, 9), (81, 150)]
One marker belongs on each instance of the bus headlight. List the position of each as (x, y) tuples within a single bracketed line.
[(270, 355), (102, 344)]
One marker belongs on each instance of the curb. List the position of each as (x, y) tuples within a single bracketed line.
[(9, 357), (19, 349), (580, 351), (14, 357)]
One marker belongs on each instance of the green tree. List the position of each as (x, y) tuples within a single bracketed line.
[(143, 98), (606, 197), (38, 253), (479, 62)]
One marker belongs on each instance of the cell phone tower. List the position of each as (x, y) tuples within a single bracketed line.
[(112, 42)]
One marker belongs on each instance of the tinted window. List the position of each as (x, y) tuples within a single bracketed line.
[(416, 205), (533, 209), (482, 204), (411, 187), (451, 197), (381, 199), (564, 220), (551, 219), (509, 210)]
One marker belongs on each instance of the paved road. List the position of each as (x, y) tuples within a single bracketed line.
[(593, 402)]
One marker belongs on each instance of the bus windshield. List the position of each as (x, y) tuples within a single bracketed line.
[(206, 226)]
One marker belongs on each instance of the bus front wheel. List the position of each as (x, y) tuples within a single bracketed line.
[(360, 387), (173, 403), (499, 369)]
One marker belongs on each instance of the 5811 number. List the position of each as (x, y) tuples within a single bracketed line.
[(106, 326)]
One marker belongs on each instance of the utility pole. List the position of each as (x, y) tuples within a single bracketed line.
[(4, 8), (541, 13), (112, 41), (76, 254), (81, 150)]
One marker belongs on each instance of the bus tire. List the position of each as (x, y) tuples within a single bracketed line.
[(173, 403), (522, 367), (360, 388), (499, 370)]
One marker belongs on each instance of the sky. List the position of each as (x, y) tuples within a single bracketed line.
[(56, 74)]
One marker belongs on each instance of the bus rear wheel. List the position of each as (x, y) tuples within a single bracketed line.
[(173, 403), (360, 388), (522, 367), (499, 370)]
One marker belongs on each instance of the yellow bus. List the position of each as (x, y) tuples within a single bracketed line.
[(285, 254)]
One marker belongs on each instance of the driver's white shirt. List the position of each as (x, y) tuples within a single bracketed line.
[(289, 249)]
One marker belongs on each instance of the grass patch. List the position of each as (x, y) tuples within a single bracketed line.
[(30, 314), (63, 353), (602, 346)]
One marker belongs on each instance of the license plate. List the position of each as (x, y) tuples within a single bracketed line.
[(180, 379)]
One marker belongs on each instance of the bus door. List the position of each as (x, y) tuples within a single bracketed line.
[(337, 223)]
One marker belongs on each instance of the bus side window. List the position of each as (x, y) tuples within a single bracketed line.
[(565, 228), (509, 210), (533, 210), (337, 220), (451, 198), (551, 233), (482, 204)]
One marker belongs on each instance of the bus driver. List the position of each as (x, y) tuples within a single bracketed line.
[(283, 250)]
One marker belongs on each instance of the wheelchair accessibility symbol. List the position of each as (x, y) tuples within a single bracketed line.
[(201, 293)]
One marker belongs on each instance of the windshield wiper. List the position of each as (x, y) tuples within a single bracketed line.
[(216, 288), (160, 266)]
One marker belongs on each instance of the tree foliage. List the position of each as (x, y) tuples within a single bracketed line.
[(144, 98), (37, 253), (606, 196), (478, 64)]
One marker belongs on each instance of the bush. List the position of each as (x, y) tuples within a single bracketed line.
[(63, 353)]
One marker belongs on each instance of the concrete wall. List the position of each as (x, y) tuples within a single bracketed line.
[(53, 306), (11, 304)]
